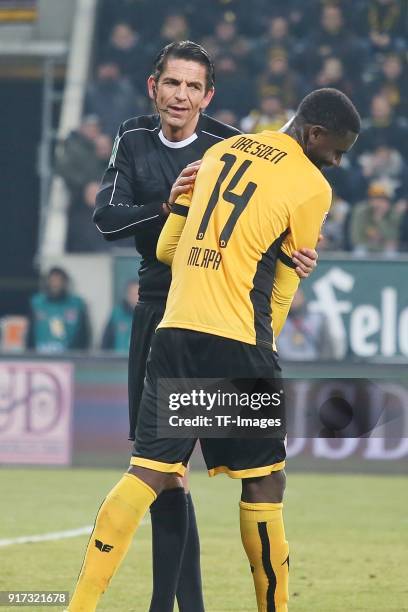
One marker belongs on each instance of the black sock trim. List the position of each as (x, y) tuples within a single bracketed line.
[(267, 565)]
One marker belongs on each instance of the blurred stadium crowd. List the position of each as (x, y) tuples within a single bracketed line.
[(267, 55), (59, 321)]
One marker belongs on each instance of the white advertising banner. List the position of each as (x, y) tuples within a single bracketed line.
[(36, 412)]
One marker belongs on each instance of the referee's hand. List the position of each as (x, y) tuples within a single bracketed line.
[(305, 260), (185, 181)]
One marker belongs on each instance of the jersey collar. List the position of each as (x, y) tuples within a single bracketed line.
[(179, 144), (288, 140)]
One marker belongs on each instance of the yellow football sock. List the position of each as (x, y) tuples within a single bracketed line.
[(263, 537), (116, 522)]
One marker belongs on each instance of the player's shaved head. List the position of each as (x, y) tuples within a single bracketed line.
[(330, 108), (186, 50), (326, 126)]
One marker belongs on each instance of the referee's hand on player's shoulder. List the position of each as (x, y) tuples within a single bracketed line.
[(185, 181)]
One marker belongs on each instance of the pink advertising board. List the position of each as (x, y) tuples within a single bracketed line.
[(36, 412)]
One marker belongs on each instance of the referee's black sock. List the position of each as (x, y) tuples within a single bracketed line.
[(189, 590), (169, 516)]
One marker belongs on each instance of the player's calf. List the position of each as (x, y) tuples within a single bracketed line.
[(263, 537), (116, 522)]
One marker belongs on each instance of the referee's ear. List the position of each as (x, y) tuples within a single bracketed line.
[(207, 98), (152, 88)]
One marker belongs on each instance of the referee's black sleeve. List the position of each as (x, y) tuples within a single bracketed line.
[(117, 214)]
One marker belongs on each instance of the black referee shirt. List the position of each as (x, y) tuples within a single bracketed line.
[(141, 172)]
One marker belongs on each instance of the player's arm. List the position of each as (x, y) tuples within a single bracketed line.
[(171, 232), (304, 229), (118, 214), (285, 285)]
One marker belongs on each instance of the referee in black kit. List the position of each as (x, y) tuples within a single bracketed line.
[(154, 159)]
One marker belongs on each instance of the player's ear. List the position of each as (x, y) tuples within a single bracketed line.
[(152, 87), (207, 98), (316, 132)]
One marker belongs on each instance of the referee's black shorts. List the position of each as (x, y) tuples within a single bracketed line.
[(146, 318), (180, 353)]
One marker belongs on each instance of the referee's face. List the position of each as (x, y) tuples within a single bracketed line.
[(180, 94)]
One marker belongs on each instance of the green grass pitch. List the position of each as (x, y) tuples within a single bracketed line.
[(348, 536)]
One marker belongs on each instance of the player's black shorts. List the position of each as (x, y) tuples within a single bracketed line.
[(146, 318), (180, 353)]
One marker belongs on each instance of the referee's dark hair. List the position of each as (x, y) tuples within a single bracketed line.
[(331, 109), (187, 50)]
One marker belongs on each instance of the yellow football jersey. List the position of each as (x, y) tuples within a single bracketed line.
[(256, 199)]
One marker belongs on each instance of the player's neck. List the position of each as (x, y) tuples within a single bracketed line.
[(293, 130)]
